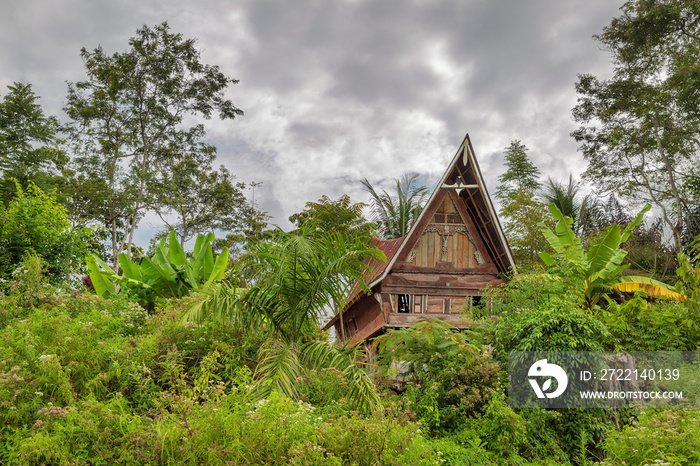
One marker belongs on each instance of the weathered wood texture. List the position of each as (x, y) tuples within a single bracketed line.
[(455, 250), (406, 320), (447, 238), (368, 317)]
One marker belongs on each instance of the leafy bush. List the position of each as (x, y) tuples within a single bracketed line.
[(637, 325), (669, 436), (426, 347), (556, 324), (229, 428), (447, 378), (36, 223)]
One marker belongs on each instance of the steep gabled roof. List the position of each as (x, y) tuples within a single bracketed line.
[(463, 175), (389, 247)]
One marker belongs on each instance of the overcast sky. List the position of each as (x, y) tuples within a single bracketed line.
[(334, 91)]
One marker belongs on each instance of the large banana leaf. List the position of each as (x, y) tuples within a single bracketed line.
[(601, 267), (175, 252), (563, 239), (178, 258), (101, 281), (219, 269), (201, 253), (651, 287), (634, 223), (169, 273), (602, 253), (163, 281), (130, 269)]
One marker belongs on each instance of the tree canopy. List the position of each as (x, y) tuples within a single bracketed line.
[(521, 210), (29, 144), (128, 124), (641, 127), (395, 216)]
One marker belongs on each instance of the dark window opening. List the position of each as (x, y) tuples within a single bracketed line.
[(350, 328), (404, 304), (480, 306)]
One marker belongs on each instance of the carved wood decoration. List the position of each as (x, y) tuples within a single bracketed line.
[(446, 239), (455, 249)]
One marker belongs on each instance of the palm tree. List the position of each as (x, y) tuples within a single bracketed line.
[(584, 212), (294, 278), (394, 217)]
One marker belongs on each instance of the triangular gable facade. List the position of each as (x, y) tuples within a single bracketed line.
[(453, 251)]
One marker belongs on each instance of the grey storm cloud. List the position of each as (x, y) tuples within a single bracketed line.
[(335, 91)]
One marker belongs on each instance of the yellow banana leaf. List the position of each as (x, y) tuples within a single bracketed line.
[(652, 288)]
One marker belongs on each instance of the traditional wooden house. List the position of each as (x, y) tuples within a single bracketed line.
[(441, 267)]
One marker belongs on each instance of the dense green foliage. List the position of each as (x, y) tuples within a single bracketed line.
[(133, 148), (29, 144), (292, 279), (327, 216), (198, 358), (168, 274), (640, 126), (89, 381), (521, 211), (35, 223), (589, 275)]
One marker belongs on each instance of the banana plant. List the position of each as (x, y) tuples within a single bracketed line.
[(594, 273), (168, 274)]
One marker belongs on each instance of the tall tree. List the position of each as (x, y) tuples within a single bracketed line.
[(199, 198), (327, 215), (520, 208), (520, 175), (395, 216), (128, 119), (29, 144), (643, 124)]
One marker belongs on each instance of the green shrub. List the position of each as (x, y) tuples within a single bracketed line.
[(36, 223), (231, 429), (556, 325), (669, 436), (637, 325)]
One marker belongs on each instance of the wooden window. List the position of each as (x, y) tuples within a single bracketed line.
[(418, 304), (435, 305), (457, 304), (480, 305)]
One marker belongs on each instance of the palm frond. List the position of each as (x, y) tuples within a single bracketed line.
[(394, 217), (220, 300), (362, 392), (278, 369)]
